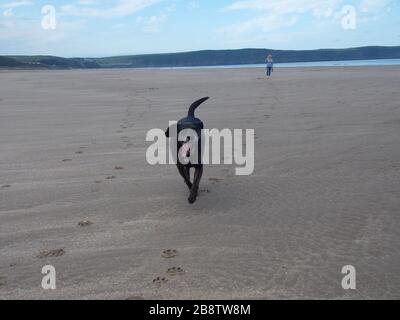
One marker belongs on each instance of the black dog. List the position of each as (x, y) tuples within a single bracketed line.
[(190, 122)]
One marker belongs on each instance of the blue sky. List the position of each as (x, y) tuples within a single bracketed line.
[(117, 27)]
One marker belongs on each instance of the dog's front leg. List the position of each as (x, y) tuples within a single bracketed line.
[(196, 183), (185, 173)]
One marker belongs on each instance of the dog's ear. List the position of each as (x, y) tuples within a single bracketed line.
[(167, 133)]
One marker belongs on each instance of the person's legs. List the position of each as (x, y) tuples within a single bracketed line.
[(269, 71)]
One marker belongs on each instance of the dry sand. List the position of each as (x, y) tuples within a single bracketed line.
[(325, 192)]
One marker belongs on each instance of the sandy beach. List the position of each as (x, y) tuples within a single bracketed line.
[(325, 192)]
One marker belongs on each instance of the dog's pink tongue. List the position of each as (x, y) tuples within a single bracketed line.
[(185, 149)]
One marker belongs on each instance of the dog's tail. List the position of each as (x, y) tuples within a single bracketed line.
[(195, 105)]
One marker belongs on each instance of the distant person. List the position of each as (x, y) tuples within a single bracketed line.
[(270, 65)]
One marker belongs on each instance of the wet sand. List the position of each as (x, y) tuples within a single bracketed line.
[(76, 191)]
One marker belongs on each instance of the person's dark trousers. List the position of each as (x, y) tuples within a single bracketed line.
[(269, 70)]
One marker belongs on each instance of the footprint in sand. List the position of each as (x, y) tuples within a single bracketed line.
[(98, 181), (111, 177), (2, 281), (170, 253), (175, 271), (67, 160), (160, 281), (205, 191), (119, 168), (78, 152), (51, 253), (6, 186), (215, 179), (85, 223), (129, 144)]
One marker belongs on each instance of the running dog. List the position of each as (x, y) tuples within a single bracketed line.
[(186, 148)]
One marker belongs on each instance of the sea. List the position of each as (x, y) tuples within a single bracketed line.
[(347, 63)]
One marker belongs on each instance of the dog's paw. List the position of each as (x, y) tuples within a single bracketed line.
[(192, 198)]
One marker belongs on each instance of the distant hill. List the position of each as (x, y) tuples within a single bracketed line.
[(9, 62), (47, 62), (247, 56), (200, 58)]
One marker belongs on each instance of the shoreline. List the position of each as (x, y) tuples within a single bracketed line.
[(283, 68), (309, 64)]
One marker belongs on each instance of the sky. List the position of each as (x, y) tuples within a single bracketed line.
[(94, 28)]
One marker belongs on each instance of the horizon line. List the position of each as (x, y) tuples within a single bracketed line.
[(190, 51)]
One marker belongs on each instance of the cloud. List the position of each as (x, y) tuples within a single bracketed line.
[(8, 12), (275, 14), (11, 5), (154, 23), (30, 30), (119, 8), (263, 23), (193, 5), (16, 4), (86, 2), (282, 7), (372, 6)]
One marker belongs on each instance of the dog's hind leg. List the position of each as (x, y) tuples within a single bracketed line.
[(185, 173), (196, 183)]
